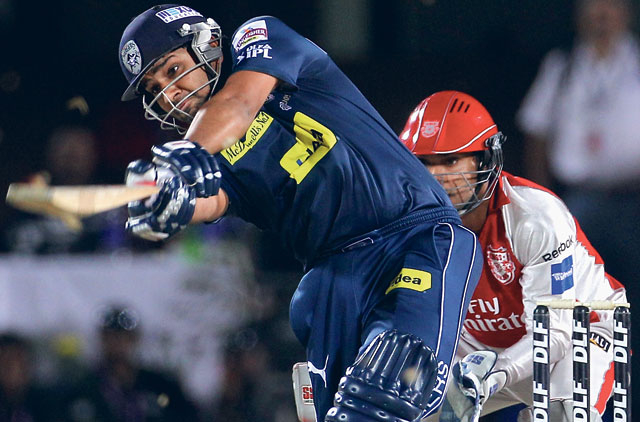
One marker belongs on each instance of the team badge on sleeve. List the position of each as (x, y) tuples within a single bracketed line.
[(250, 33), (562, 276)]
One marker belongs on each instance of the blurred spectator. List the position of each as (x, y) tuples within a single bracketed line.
[(119, 389), (258, 359), (70, 159), (20, 399), (246, 372), (253, 387), (583, 132)]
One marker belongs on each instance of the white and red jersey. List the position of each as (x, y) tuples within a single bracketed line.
[(534, 250)]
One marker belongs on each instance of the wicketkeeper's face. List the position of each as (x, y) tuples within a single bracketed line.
[(457, 173)]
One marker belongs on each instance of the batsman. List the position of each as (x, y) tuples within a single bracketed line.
[(289, 144)]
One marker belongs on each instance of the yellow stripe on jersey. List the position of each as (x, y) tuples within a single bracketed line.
[(258, 128)]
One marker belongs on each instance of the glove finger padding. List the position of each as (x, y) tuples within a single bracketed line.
[(209, 166), (143, 172), (391, 380), (170, 212), (197, 167)]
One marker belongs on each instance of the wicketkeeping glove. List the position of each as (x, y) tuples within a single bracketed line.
[(194, 164), (165, 214), (474, 381)]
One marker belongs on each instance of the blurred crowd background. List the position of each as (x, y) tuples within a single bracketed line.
[(99, 326)]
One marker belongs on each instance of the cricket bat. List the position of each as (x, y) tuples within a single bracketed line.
[(71, 203)]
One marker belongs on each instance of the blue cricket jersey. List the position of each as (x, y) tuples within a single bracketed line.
[(319, 165)]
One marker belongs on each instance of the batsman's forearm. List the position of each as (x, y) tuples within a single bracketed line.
[(227, 115), (210, 209), (219, 124)]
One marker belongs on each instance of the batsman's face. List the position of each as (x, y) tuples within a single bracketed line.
[(173, 79), (457, 173)]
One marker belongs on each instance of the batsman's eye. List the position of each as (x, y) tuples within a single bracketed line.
[(173, 70), (153, 90)]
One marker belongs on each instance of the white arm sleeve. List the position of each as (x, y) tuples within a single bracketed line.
[(543, 236)]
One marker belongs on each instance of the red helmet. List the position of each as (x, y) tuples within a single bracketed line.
[(450, 122)]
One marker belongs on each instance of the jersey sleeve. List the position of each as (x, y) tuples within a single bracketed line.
[(543, 236), (265, 44)]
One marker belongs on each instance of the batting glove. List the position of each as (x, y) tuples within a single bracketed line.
[(164, 214), (194, 164), (474, 381)]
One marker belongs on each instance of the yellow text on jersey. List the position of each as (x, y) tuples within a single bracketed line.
[(258, 128)]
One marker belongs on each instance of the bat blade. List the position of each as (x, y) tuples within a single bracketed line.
[(78, 201)]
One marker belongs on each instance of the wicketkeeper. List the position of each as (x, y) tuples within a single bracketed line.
[(534, 250)]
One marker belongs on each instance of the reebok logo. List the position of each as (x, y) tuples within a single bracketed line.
[(558, 251), (411, 279)]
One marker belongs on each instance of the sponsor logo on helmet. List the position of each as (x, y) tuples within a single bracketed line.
[(501, 265), (411, 279), (175, 13), (250, 33), (131, 57), (558, 251), (430, 128), (562, 276)]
